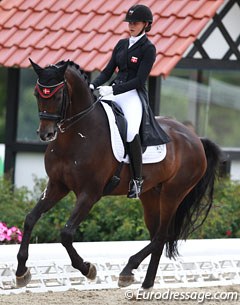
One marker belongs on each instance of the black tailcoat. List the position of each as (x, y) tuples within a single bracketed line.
[(133, 68)]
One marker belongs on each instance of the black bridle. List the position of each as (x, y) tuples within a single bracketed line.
[(47, 92), (63, 123)]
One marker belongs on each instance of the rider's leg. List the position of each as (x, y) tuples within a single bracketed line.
[(134, 151), (132, 108)]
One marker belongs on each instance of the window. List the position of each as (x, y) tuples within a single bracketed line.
[(28, 112), (209, 99)]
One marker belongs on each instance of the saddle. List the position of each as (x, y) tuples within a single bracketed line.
[(118, 132), (120, 121)]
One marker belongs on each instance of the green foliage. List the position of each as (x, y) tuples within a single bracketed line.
[(224, 218), (113, 218), (14, 203)]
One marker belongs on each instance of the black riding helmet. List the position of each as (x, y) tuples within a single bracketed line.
[(138, 13)]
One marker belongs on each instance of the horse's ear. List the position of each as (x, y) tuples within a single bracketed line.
[(62, 69), (36, 67)]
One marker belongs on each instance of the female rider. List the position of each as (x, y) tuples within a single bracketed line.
[(134, 58)]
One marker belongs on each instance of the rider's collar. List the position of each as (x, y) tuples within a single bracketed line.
[(134, 39)]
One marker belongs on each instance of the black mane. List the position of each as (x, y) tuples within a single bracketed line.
[(77, 67)]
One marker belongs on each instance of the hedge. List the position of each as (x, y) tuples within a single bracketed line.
[(113, 217)]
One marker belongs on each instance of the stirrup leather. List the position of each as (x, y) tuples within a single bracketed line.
[(135, 188)]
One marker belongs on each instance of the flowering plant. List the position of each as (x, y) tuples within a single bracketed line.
[(11, 235)]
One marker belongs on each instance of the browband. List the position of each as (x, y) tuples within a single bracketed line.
[(48, 91)]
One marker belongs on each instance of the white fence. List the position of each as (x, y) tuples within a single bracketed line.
[(201, 263)]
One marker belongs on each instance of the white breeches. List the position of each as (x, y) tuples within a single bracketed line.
[(132, 108)]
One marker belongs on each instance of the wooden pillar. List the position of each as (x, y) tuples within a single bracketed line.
[(11, 120)]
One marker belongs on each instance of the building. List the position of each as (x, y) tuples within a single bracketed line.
[(195, 77)]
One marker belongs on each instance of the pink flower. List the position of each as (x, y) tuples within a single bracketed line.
[(14, 229), (10, 235), (19, 236), (3, 226), (228, 233), (3, 231)]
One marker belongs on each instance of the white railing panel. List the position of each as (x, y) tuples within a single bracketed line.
[(202, 263)]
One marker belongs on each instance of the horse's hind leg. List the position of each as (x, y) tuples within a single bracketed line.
[(150, 202), (158, 213), (151, 205), (51, 195), (168, 203), (158, 232)]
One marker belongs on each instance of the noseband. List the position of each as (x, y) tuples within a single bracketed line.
[(63, 123)]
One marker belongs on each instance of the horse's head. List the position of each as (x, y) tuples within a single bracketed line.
[(51, 94)]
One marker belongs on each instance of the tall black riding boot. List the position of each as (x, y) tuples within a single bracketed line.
[(135, 158)]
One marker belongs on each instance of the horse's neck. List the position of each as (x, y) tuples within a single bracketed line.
[(81, 98)]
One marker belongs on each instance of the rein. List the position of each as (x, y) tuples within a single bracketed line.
[(67, 123)]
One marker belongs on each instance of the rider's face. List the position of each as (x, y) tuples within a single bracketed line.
[(136, 27)]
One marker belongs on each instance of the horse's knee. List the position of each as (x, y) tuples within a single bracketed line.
[(66, 237)]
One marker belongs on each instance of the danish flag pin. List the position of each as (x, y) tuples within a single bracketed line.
[(46, 91), (134, 59)]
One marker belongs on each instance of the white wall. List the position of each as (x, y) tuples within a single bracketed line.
[(31, 165), (28, 166), (235, 170)]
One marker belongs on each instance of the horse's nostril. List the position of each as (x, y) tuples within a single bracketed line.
[(46, 136), (47, 133), (51, 136)]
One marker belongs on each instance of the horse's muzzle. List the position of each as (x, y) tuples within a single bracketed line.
[(47, 133)]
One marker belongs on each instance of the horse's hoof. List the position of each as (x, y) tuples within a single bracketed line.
[(92, 272), (125, 280), (22, 281), (147, 289)]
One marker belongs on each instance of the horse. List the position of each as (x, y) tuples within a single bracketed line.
[(177, 192)]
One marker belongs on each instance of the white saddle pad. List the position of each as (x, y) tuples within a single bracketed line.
[(152, 154)]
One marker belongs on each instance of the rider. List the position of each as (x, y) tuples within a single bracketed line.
[(134, 58)]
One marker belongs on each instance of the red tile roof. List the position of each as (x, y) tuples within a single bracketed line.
[(86, 31)]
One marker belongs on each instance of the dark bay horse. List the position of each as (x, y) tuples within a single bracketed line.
[(176, 192)]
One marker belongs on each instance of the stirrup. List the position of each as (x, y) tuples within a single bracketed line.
[(135, 188)]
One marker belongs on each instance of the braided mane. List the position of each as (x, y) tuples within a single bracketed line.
[(75, 66)]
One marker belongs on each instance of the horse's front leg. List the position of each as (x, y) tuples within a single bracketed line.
[(52, 194), (80, 212)]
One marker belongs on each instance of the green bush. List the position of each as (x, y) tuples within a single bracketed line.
[(223, 220), (14, 203), (113, 218)]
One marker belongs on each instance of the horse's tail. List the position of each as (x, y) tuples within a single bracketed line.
[(195, 207)]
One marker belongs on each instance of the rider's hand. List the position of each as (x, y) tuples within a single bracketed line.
[(105, 90)]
